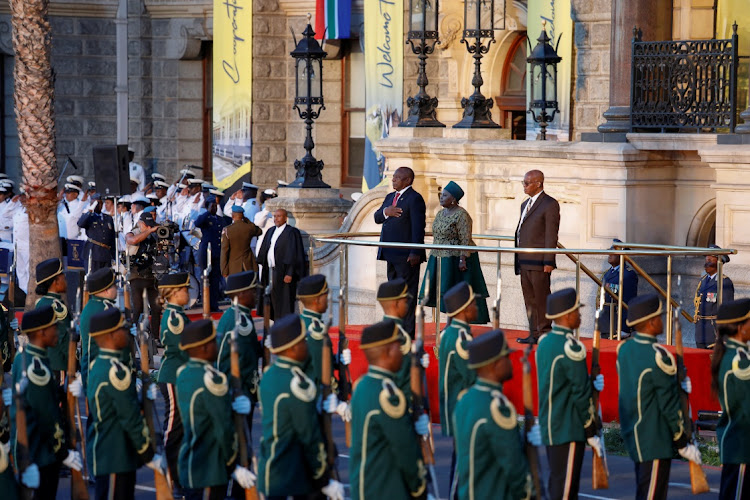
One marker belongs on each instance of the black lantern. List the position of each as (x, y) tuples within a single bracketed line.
[(308, 102), (423, 28), (543, 61), (479, 23)]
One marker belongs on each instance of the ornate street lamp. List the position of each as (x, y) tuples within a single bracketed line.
[(308, 69), (543, 61), (423, 27), (479, 23)]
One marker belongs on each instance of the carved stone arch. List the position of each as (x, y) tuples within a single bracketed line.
[(702, 231)]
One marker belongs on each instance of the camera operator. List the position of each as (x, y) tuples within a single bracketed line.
[(141, 275)]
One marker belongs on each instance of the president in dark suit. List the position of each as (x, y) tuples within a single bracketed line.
[(403, 218), (282, 256), (537, 228)]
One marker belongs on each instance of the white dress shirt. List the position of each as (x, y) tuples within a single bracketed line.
[(271, 249), (400, 194)]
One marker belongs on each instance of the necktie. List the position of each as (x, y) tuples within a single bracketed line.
[(526, 210), (395, 199)]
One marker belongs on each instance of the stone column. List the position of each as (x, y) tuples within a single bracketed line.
[(654, 19)]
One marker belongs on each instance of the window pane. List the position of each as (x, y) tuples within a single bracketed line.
[(356, 77), (356, 156)]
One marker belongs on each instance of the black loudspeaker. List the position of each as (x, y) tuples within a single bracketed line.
[(111, 170)]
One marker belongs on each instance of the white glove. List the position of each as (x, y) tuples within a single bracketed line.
[(153, 392), (345, 411), (599, 383), (331, 403), (134, 331), (267, 342), (138, 386), (430, 496), (345, 358), (30, 477), (687, 385), (156, 464), (241, 405), (6, 447), (334, 490), (596, 444), (244, 477), (14, 324), (75, 387), (73, 461), (535, 435), (425, 360), (422, 425), (7, 397), (692, 453)]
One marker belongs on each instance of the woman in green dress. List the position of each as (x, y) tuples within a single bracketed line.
[(452, 226)]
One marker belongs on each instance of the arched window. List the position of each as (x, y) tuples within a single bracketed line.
[(512, 99)]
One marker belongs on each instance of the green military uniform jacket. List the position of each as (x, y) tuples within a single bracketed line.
[(89, 348), (292, 451), (209, 445), (733, 431), (44, 422), (6, 337), (455, 374), (248, 346), (651, 418), (173, 321), (117, 438), (58, 355), (491, 462), (8, 484), (386, 461), (403, 375), (316, 333), (566, 409)]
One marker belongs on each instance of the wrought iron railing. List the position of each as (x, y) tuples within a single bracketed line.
[(684, 85)]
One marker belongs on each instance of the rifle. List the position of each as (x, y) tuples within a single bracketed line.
[(12, 304), (698, 482), (267, 320), (163, 490), (21, 452), (240, 422), (86, 283), (345, 379), (496, 306), (207, 286), (532, 454), (79, 489), (599, 470), (419, 394), (128, 291), (325, 382)]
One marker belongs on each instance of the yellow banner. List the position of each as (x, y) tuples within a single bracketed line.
[(232, 91)]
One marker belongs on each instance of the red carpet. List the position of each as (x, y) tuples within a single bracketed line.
[(697, 361)]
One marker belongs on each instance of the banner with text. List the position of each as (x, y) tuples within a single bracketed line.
[(384, 75), (556, 13), (232, 92)]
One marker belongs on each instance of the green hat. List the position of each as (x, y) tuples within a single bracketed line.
[(287, 332), (107, 321), (642, 308), (197, 333), (393, 290), (239, 282), (100, 280), (381, 333), (487, 348), (174, 280), (38, 319), (48, 269), (458, 298), (455, 190), (733, 311), (312, 286), (561, 303)]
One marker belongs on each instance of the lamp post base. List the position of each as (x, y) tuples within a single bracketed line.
[(422, 112), (308, 173), (477, 113)]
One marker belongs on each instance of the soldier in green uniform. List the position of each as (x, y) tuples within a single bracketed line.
[(173, 288), (117, 436), (312, 292), (651, 419), (51, 287), (385, 457), (242, 286), (44, 422), (209, 447), (292, 451), (566, 408), (6, 338), (491, 462), (102, 293), (730, 382)]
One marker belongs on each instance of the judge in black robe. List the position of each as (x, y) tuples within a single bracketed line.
[(290, 265)]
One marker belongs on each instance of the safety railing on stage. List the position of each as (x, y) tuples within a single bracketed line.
[(624, 250)]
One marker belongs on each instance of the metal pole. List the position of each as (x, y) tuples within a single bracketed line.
[(310, 256), (720, 281), (578, 275), (669, 300), (342, 285), (346, 285), (121, 86), (439, 263), (498, 290), (619, 298)]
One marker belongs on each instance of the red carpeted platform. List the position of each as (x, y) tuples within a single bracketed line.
[(697, 361)]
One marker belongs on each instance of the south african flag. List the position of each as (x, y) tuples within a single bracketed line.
[(333, 19)]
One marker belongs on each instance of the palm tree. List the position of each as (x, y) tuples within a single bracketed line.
[(33, 98)]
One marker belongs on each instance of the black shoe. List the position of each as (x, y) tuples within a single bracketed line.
[(527, 340)]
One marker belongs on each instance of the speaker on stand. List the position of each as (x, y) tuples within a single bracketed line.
[(111, 170)]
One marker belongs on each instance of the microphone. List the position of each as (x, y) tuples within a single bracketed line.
[(72, 162)]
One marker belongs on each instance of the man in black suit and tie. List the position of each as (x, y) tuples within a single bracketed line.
[(537, 228), (403, 218), (282, 256)]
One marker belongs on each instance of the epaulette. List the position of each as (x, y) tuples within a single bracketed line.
[(463, 336), (405, 341), (5, 309), (215, 381), (316, 329), (392, 400), (37, 372), (245, 326), (302, 387), (61, 310), (741, 364), (175, 322), (59, 437), (664, 360), (574, 348), (119, 375), (502, 410)]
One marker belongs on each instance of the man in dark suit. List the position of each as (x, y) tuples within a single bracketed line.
[(282, 256), (403, 218), (537, 228)]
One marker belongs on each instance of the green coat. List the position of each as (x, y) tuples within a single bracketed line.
[(292, 452), (455, 374), (8, 484), (209, 445), (173, 321), (566, 410), (490, 459), (651, 418), (316, 333), (89, 349), (733, 431), (249, 347), (44, 422), (403, 375), (385, 457), (115, 419), (58, 355)]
